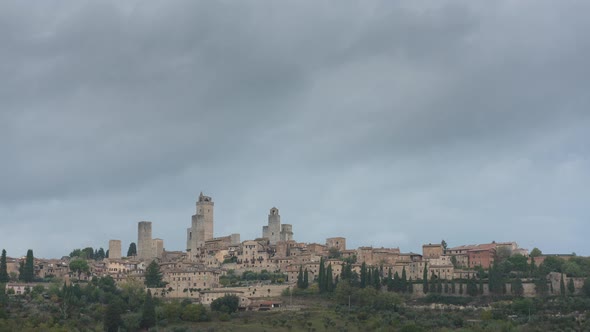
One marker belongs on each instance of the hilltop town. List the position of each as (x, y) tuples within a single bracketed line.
[(201, 272)]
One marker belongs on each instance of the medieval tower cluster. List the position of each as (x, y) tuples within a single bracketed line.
[(274, 231), (199, 236)]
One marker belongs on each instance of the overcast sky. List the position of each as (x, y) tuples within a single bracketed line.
[(389, 123)]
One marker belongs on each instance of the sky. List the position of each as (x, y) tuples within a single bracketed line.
[(390, 123)]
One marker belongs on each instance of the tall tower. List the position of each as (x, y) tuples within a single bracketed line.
[(114, 249), (144, 240), (201, 224), (273, 231)]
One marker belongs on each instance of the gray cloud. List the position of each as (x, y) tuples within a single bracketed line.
[(392, 124)]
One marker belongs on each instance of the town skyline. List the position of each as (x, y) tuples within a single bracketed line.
[(156, 228)]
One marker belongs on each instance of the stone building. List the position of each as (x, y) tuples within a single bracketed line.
[(144, 240), (274, 231), (147, 248), (202, 223), (432, 250), (336, 242), (114, 249)]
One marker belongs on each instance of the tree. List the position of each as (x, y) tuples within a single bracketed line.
[(363, 275), (76, 253), (425, 279), (29, 270), (100, 254), (571, 288), (480, 286), (535, 252), (132, 251), (322, 276), (586, 287), (79, 266), (471, 287), (376, 279), (329, 279), (88, 253), (148, 314), (300, 277), (227, 304), (21, 270), (432, 283), (444, 244), (410, 286), (112, 316), (517, 288), (4, 277), (533, 269), (404, 281), (541, 286), (153, 276), (561, 286), (305, 278), (518, 263)]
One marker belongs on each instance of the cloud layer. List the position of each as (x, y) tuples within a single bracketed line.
[(392, 124)]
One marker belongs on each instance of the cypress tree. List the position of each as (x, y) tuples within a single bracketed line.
[(480, 286), (453, 289), (460, 288), (329, 279), (300, 277), (148, 314), (132, 251), (562, 286), (369, 277), (305, 278), (471, 287), (363, 275), (404, 281), (410, 286), (21, 270), (571, 288), (533, 267), (322, 276), (376, 279), (425, 279), (517, 288), (29, 269), (439, 288), (396, 282), (446, 288), (4, 278)]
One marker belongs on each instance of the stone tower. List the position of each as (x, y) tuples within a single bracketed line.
[(273, 231), (201, 225), (114, 249), (144, 240), (286, 232)]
